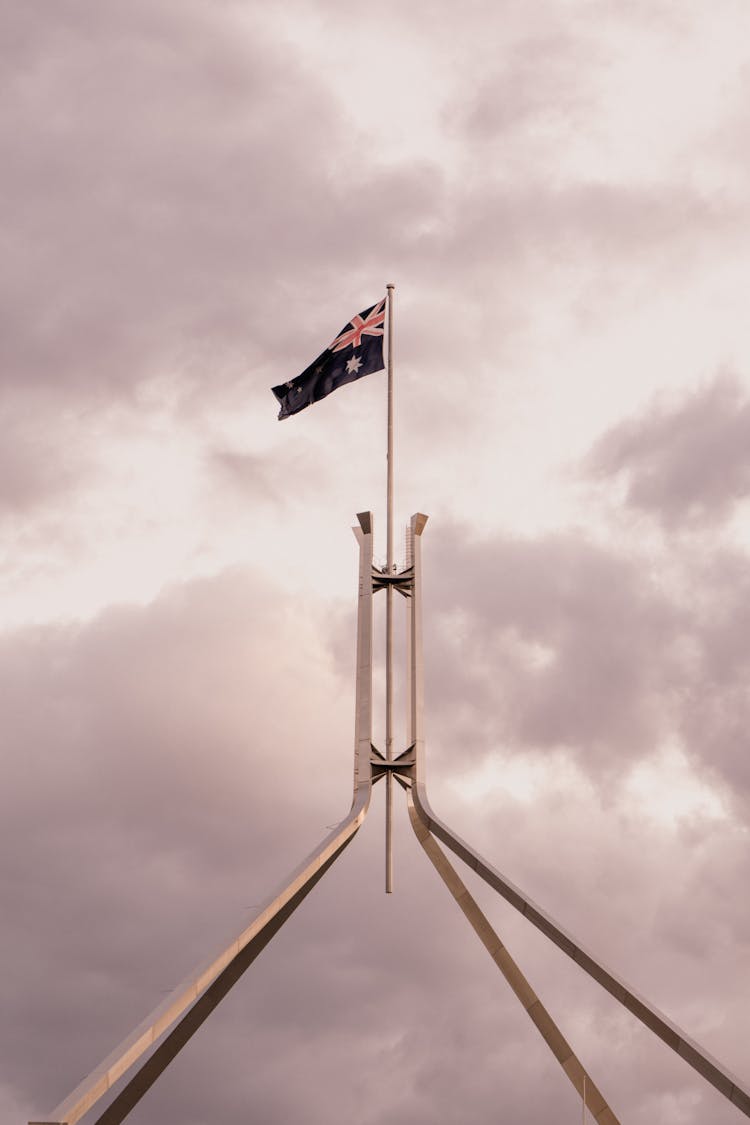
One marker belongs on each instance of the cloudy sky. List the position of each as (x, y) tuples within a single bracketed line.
[(196, 196)]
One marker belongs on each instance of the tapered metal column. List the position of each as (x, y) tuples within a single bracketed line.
[(147, 1074), (532, 1005), (714, 1072), (180, 1015), (389, 614), (479, 923), (696, 1056), (363, 690), (415, 680)]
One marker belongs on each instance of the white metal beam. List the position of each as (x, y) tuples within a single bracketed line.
[(714, 1072), (189, 1004)]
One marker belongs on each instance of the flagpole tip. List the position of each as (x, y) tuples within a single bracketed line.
[(390, 285)]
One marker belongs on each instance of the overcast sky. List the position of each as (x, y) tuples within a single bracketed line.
[(196, 196)]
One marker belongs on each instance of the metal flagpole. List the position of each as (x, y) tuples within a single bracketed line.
[(389, 615)]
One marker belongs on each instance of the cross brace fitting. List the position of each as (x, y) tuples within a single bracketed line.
[(402, 767), (403, 582)]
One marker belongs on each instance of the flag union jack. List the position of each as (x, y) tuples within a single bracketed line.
[(356, 351), (363, 324)]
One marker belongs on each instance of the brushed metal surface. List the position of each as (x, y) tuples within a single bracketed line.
[(696, 1056), (189, 1004)]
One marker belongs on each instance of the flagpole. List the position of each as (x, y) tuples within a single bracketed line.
[(389, 614)]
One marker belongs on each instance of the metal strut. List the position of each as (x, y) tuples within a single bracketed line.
[(712, 1071), (182, 1012), (593, 1099), (169, 1027)]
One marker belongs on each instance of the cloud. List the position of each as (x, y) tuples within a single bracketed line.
[(141, 755), (195, 198), (36, 466), (173, 184), (246, 471), (538, 79), (554, 642), (686, 464), (165, 766), (153, 208), (556, 648), (131, 221)]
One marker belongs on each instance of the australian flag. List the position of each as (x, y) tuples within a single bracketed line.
[(356, 351)]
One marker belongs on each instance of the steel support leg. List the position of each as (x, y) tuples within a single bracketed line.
[(593, 1099), (188, 1005), (737, 1092)]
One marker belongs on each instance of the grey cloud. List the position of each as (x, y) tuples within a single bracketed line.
[(166, 765), (36, 464), (246, 471), (153, 206), (171, 181), (590, 221), (119, 740), (555, 645), (556, 642), (537, 78), (144, 125), (167, 178), (687, 464), (176, 181)]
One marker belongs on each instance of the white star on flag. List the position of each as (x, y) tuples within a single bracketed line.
[(354, 365)]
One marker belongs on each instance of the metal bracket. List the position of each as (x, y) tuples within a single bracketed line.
[(402, 767), (403, 581)]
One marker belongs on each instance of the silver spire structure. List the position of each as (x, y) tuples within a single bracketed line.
[(143, 1056)]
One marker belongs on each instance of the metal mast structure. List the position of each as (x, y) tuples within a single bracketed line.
[(163, 1033), (169, 1027)]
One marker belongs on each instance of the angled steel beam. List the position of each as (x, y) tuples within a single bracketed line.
[(582, 1081), (169, 1048), (190, 1003), (714, 1072), (719, 1076), (212, 978)]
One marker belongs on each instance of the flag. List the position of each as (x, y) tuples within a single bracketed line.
[(356, 351)]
